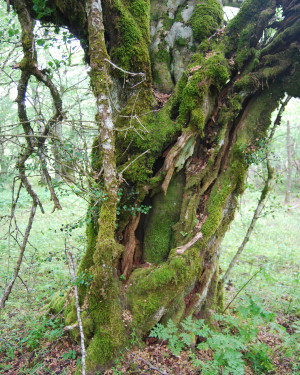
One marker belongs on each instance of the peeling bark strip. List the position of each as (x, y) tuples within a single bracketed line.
[(183, 248), (172, 157), (130, 245)]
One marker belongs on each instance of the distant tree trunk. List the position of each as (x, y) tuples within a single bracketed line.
[(289, 148), (3, 164), (169, 178)]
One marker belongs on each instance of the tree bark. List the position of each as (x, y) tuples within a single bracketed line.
[(169, 175), (232, 3)]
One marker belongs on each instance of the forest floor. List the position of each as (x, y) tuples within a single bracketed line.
[(31, 344)]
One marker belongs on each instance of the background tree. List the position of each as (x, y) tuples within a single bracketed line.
[(186, 160)]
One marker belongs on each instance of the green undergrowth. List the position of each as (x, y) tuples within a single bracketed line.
[(44, 270), (273, 247), (231, 342)]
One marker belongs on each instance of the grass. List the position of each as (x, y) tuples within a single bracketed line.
[(274, 247), (44, 269)]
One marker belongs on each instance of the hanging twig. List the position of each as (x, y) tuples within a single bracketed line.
[(83, 352)]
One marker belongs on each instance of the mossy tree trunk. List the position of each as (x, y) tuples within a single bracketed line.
[(171, 174)]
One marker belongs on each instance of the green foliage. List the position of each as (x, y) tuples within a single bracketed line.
[(255, 154), (83, 279), (42, 329), (71, 354), (259, 356), (232, 343), (126, 203), (41, 8)]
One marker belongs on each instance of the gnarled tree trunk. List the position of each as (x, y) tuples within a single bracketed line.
[(171, 173)]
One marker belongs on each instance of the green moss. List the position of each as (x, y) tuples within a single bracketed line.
[(71, 318), (88, 324), (160, 131), (192, 96), (154, 17), (206, 19), (197, 121), (259, 113), (163, 215), (91, 235), (246, 28), (175, 311), (217, 200), (220, 297), (167, 22), (181, 42), (108, 337), (193, 87), (155, 292), (162, 55), (281, 38), (96, 156), (132, 24), (57, 303)]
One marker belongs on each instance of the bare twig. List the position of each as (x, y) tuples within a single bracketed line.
[(141, 74), (83, 352), (123, 170), (8, 289), (243, 287), (147, 363)]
